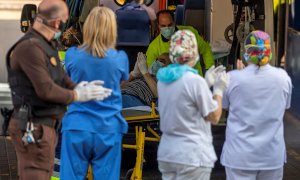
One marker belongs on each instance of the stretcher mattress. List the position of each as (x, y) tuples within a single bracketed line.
[(136, 111), (140, 114)]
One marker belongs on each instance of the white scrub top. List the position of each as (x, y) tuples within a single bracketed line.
[(256, 99), (186, 137)]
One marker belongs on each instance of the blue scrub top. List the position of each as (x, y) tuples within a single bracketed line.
[(97, 116)]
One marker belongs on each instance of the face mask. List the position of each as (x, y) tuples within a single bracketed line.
[(246, 57), (167, 32), (57, 35), (155, 67), (61, 27)]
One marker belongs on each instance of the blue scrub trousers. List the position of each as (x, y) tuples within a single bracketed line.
[(81, 148)]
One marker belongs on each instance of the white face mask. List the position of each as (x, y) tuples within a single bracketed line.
[(167, 32), (57, 35)]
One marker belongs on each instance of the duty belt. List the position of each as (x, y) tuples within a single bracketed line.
[(50, 122)]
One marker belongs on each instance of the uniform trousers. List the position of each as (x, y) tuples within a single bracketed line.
[(239, 174), (36, 160), (174, 171)]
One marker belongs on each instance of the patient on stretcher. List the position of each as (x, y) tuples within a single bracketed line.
[(140, 89)]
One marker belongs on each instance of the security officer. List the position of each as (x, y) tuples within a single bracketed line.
[(40, 92)]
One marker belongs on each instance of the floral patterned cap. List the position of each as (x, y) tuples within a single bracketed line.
[(258, 48), (183, 47)]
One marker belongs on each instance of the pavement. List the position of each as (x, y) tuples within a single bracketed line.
[(11, 9), (8, 167), (10, 32)]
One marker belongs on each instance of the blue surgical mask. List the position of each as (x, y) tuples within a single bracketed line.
[(155, 67), (167, 32), (246, 57), (61, 28), (57, 35)]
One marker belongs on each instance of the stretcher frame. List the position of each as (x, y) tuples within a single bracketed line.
[(142, 127)]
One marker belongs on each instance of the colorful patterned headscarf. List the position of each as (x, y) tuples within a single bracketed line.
[(258, 48), (183, 47)]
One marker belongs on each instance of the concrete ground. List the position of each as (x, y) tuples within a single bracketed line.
[(8, 167), (10, 32), (291, 169)]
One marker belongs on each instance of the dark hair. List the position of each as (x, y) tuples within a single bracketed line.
[(165, 11)]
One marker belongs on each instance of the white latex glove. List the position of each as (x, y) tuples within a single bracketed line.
[(212, 73), (81, 85), (142, 63), (106, 92), (91, 91), (135, 72), (221, 83)]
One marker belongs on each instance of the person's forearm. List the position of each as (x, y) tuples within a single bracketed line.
[(214, 117), (68, 82), (151, 83)]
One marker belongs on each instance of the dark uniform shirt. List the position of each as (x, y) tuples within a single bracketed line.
[(29, 57)]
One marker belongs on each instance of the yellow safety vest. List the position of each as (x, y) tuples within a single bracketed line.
[(158, 47)]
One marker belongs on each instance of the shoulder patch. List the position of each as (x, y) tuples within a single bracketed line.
[(53, 61)]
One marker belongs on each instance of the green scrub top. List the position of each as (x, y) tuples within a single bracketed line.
[(158, 47)]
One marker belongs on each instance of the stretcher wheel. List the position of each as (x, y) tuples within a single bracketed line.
[(128, 174), (228, 33)]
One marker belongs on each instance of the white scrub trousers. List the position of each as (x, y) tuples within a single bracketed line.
[(173, 171), (238, 174)]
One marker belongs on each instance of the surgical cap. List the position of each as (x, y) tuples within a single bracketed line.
[(183, 47), (258, 48)]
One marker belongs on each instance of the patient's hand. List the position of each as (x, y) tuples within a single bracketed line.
[(136, 71), (124, 84)]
